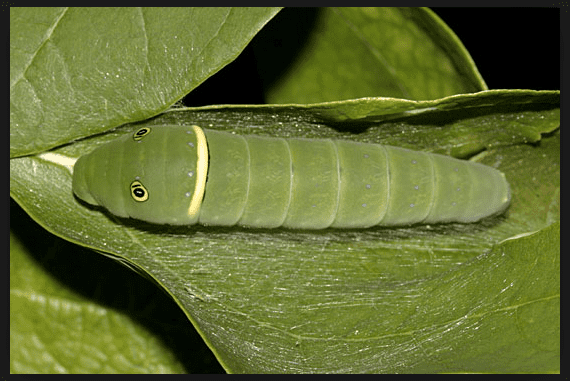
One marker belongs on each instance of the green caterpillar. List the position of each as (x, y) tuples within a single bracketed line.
[(182, 175)]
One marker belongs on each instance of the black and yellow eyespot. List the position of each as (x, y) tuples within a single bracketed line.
[(138, 191), (141, 133)]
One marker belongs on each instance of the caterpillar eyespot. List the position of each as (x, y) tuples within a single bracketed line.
[(141, 133), (185, 175), (138, 191)]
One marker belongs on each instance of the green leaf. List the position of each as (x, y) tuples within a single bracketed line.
[(446, 298), (352, 296), (57, 329), (103, 67), (503, 302), (363, 52)]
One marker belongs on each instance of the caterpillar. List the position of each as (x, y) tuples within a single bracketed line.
[(184, 175)]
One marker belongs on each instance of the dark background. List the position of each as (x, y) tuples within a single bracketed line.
[(513, 48)]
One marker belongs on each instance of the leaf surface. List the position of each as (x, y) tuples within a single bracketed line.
[(373, 300), (103, 67)]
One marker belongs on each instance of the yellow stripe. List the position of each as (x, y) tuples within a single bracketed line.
[(201, 172)]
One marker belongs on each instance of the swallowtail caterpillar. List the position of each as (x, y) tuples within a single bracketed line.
[(184, 175)]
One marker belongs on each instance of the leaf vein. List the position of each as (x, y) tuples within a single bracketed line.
[(46, 38)]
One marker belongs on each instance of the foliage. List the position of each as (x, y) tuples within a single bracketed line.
[(482, 297)]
